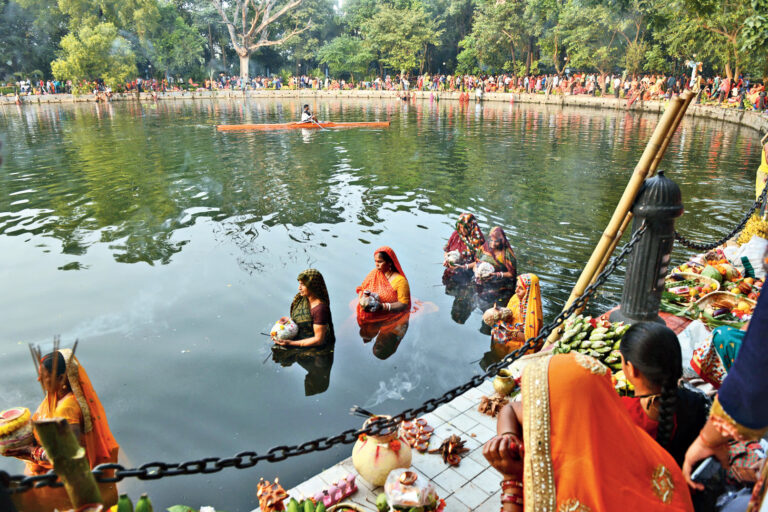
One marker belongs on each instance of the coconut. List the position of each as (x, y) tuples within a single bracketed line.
[(495, 314), (483, 269), (284, 329), (453, 257), (370, 301)]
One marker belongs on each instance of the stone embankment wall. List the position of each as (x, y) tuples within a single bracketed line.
[(747, 118)]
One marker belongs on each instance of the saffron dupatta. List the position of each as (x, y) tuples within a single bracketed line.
[(583, 452), (377, 282)]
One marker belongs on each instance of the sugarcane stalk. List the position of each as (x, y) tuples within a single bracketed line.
[(69, 461)]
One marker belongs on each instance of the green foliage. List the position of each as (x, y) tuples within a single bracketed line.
[(589, 36), (176, 47), (400, 36), (346, 54), (92, 53)]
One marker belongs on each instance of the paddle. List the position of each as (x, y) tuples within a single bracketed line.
[(317, 123)]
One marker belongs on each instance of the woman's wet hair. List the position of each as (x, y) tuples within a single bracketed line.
[(654, 350), (61, 364)]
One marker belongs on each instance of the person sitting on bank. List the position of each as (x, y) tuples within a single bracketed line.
[(311, 311), (307, 116), (569, 445), (526, 320)]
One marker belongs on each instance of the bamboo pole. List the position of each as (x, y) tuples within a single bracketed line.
[(625, 204), (687, 96), (69, 461)]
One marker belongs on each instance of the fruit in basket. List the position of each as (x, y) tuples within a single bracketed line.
[(744, 306), (728, 272), (712, 272), (15, 429)]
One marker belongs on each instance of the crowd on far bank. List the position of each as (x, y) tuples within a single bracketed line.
[(738, 92)]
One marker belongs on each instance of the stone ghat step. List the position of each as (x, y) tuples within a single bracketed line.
[(472, 485)]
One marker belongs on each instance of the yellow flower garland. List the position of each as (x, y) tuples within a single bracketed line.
[(14, 424)]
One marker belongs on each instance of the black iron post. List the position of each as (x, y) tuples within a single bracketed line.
[(5, 499), (658, 204)]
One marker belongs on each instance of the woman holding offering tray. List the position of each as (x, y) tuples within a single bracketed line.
[(526, 319), (387, 281)]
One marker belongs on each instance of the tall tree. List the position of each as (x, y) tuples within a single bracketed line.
[(251, 23), (401, 36), (346, 54)]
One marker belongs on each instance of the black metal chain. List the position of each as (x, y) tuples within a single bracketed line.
[(708, 247), (110, 473)]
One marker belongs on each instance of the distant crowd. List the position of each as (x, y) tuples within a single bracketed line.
[(738, 92)]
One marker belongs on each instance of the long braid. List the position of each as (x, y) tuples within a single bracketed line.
[(654, 350), (667, 410)]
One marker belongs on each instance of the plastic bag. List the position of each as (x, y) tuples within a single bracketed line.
[(748, 259), (284, 329), (690, 338), (408, 488)]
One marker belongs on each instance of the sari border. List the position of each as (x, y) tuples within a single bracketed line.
[(73, 375), (538, 472)]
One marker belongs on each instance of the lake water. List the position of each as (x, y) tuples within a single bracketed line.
[(167, 248)]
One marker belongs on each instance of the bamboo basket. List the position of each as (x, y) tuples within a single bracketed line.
[(724, 297), (698, 277), (347, 505)]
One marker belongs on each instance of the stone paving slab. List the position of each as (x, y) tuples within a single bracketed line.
[(471, 486)]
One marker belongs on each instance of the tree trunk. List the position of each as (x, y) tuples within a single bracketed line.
[(245, 60), (728, 71), (210, 44), (528, 59)]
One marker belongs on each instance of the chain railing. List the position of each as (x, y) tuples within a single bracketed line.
[(708, 247), (111, 473)]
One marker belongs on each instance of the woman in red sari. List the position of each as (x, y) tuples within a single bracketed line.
[(388, 281), (467, 239)]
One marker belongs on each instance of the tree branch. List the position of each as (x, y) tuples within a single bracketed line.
[(267, 19), (230, 26), (264, 42)]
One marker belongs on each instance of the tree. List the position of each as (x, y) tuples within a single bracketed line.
[(346, 54), (400, 35), (303, 47), (177, 47), (254, 20), (498, 33), (589, 37), (95, 52)]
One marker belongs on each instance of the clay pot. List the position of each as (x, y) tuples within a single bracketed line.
[(375, 456), (504, 383)]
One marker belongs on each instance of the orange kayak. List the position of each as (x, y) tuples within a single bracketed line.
[(294, 126)]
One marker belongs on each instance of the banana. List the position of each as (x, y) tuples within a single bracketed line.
[(320, 507), (309, 506), (293, 506)]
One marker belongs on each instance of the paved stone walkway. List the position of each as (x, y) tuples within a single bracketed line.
[(473, 485)]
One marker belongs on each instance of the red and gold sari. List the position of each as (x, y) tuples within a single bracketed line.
[(582, 450)]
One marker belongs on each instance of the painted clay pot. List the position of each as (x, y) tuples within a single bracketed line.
[(504, 383), (375, 456)]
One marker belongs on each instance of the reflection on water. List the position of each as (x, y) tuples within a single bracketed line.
[(316, 361), (167, 248)]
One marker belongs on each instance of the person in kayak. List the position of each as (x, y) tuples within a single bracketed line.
[(307, 116)]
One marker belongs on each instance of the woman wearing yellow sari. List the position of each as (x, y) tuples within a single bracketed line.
[(70, 395), (525, 323), (582, 452)]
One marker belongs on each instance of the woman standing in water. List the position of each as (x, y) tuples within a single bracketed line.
[(311, 311)]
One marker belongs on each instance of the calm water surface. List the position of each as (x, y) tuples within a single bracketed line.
[(167, 248)]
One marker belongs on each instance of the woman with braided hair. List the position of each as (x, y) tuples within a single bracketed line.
[(652, 361)]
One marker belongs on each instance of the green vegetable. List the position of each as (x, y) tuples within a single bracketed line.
[(309, 506), (381, 502), (293, 506), (124, 504), (710, 271), (143, 505), (320, 507)]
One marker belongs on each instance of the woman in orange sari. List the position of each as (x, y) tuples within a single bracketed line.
[(525, 323), (70, 396), (392, 312), (571, 446)]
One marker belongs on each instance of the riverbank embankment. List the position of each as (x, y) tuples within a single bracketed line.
[(748, 118)]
